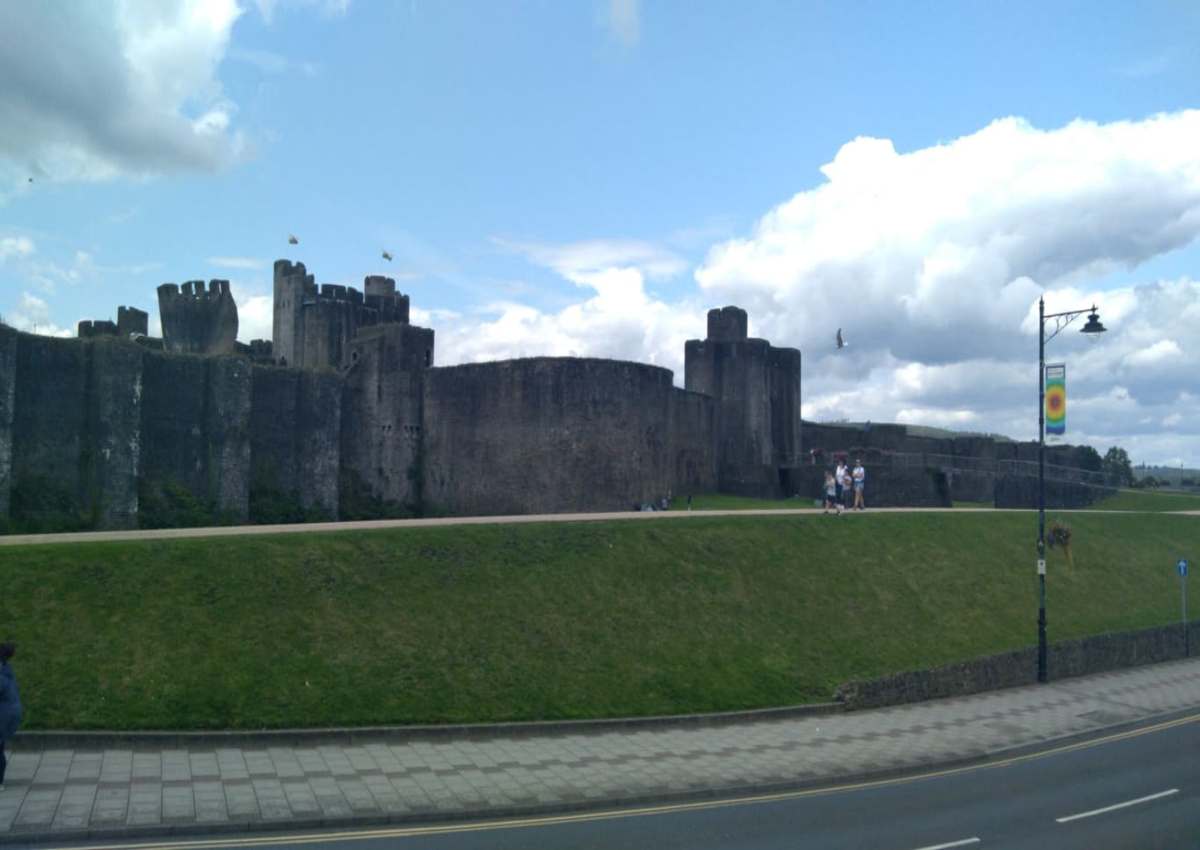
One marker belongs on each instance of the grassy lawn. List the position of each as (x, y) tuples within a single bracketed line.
[(1149, 500), (720, 502), (478, 623)]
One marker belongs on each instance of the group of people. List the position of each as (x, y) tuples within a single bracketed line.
[(843, 481)]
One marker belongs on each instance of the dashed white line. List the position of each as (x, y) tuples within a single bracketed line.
[(1113, 808), (962, 843)]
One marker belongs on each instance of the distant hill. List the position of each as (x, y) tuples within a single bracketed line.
[(1173, 474)]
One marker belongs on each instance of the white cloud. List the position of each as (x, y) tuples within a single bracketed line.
[(623, 19), (270, 62), (329, 8), (933, 262), (1165, 349), (15, 246), (956, 241), (139, 95), (33, 315), (577, 260), (252, 263), (619, 320), (255, 317), (255, 305)]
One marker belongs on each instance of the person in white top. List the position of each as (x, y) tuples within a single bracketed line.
[(839, 478), (860, 480)]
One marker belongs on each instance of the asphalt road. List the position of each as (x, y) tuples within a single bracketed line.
[(1138, 789)]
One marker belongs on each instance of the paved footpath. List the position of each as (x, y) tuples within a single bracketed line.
[(62, 794)]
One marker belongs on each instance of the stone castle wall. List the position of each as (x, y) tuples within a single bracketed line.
[(345, 416), (552, 434), (756, 388), (102, 432)]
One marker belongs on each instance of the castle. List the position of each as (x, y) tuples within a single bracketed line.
[(343, 414)]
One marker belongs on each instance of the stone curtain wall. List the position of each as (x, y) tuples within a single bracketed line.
[(885, 487), (1065, 659), (8, 386), (48, 433), (1021, 491), (295, 444), (195, 439), (105, 433), (693, 443), (972, 469), (547, 434)]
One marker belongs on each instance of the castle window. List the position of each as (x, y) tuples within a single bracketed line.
[(428, 357)]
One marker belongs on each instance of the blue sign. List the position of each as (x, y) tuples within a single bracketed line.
[(1182, 566)]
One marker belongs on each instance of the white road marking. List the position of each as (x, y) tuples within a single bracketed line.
[(962, 843), (1167, 793)]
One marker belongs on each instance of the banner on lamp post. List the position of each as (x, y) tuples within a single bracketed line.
[(1056, 399)]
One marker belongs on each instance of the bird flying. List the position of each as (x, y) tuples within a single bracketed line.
[(841, 343), (387, 256), (292, 240)]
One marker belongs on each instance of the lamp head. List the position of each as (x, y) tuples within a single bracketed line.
[(1093, 325)]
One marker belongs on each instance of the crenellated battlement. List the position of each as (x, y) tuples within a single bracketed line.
[(314, 324), (89, 328), (198, 319), (131, 322)]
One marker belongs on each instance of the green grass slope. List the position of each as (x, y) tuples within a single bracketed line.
[(1149, 500), (483, 623)]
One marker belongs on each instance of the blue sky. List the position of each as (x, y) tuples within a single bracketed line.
[(565, 177)]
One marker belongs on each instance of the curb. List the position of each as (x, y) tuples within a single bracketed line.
[(596, 805), (103, 739)]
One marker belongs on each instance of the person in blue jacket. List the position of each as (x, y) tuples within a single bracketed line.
[(10, 704)]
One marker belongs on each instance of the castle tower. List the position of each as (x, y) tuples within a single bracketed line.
[(133, 322), (757, 390), (293, 284), (314, 326), (197, 320)]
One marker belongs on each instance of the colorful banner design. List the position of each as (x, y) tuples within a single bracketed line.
[(1056, 398)]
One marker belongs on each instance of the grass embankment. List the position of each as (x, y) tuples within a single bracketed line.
[(1149, 500), (721, 502), (478, 623)]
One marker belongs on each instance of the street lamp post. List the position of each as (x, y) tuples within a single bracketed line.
[(1092, 326)]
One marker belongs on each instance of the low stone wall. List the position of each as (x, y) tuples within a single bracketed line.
[(1021, 491), (1080, 657), (885, 488)]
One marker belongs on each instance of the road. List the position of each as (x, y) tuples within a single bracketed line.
[(1138, 789)]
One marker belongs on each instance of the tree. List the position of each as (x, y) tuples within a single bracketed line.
[(1118, 471), (1088, 458)]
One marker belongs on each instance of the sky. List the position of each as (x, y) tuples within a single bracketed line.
[(589, 177)]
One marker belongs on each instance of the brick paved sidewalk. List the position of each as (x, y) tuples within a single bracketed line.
[(132, 792)]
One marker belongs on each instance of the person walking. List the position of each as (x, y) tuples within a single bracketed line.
[(831, 493), (847, 487), (10, 704), (860, 479), (839, 476)]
